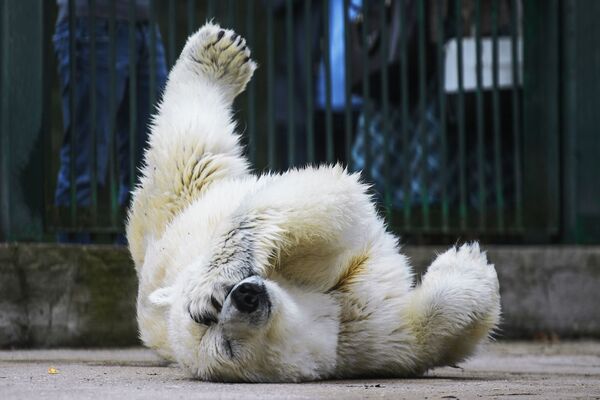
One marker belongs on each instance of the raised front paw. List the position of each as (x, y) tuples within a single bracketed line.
[(206, 295), (222, 56)]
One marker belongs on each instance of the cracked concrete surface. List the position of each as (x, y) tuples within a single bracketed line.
[(566, 370)]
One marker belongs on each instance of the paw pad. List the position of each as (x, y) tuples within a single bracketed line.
[(222, 56)]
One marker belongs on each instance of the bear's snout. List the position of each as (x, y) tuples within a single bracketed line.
[(247, 296)]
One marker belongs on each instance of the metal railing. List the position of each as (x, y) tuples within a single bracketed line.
[(431, 106)]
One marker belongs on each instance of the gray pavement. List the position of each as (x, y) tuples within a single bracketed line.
[(513, 370)]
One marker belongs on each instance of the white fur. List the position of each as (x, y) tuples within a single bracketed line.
[(341, 296)]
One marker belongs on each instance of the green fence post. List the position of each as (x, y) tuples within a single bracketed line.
[(539, 155), (580, 132), (22, 87)]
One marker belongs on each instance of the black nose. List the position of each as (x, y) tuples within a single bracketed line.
[(246, 297)]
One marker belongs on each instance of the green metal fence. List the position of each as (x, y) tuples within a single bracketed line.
[(452, 109)]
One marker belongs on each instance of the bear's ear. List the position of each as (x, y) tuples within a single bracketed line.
[(162, 297)]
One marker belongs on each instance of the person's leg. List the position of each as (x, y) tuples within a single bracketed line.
[(122, 118), (85, 135), (85, 128), (143, 107), (148, 87), (63, 183)]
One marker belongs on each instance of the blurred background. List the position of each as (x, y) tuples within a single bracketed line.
[(472, 119)]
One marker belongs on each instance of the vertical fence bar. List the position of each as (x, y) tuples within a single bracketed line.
[(47, 119), (251, 88), (421, 126), (6, 232), (310, 125), (72, 115), (22, 72), (112, 62), (93, 112), (270, 85), (480, 119), (461, 121), (406, 208), (366, 91), (230, 13), (171, 15), (211, 9), (327, 66), (132, 96), (191, 16), (442, 105), (516, 117), (497, 123), (387, 193), (289, 35), (152, 24), (347, 82)]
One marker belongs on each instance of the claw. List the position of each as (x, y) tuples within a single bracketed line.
[(215, 303), (203, 319)]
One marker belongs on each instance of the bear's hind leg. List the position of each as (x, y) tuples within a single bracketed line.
[(456, 306)]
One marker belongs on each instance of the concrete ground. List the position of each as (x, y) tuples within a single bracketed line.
[(512, 370)]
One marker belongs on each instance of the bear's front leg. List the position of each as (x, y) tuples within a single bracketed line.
[(221, 57), (192, 143), (306, 224), (240, 250)]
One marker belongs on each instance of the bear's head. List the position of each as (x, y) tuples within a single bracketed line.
[(266, 330)]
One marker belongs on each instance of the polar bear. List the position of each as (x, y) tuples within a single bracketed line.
[(282, 277)]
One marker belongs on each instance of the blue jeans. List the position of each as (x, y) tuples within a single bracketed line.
[(83, 86)]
